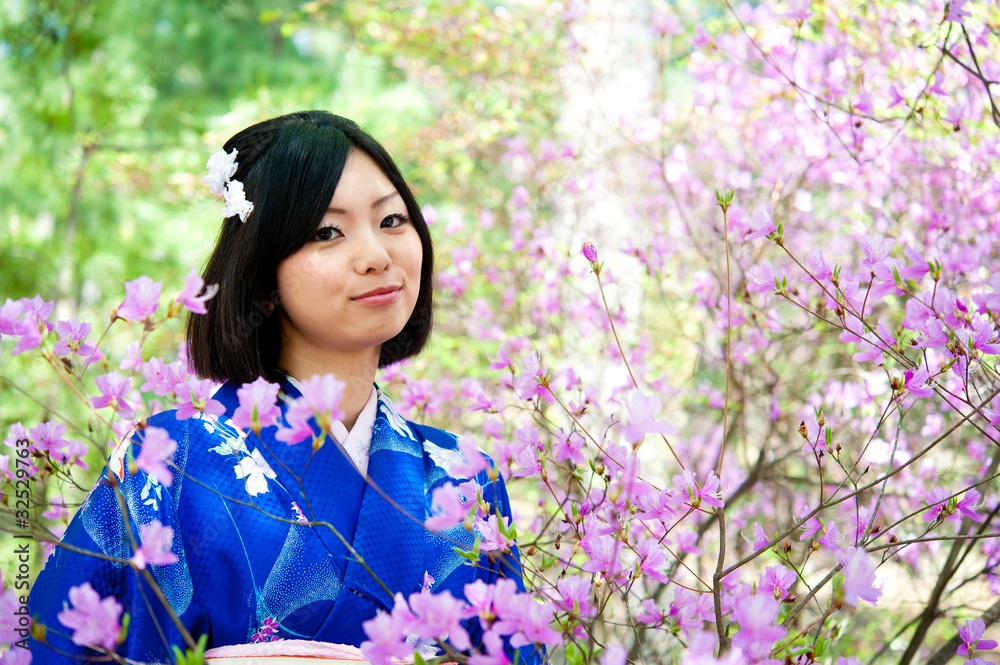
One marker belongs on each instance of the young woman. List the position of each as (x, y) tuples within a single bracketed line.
[(324, 266)]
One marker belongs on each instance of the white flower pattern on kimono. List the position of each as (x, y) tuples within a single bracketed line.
[(150, 494), (233, 438), (254, 469), (444, 458), (394, 419)]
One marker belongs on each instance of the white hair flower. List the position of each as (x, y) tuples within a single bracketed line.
[(236, 201), (221, 168)]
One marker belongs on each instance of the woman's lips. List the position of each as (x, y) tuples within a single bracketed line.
[(382, 296)]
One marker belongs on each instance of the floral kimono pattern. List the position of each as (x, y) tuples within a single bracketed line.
[(260, 534)]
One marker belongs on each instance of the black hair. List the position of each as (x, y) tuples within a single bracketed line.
[(289, 167)]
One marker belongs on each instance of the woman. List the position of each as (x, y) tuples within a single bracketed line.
[(324, 266)]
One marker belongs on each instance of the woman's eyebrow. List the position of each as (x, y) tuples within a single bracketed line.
[(375, 204)]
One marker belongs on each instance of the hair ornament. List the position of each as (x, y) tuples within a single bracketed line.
[(221, 167)]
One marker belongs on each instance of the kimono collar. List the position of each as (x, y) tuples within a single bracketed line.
[(358, 441)]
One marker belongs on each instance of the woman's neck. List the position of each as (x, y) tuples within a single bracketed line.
[(357, 371)]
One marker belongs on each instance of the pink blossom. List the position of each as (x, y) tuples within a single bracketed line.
[(830, 537), (876, 250), (495, 654), (57, 510), (614, 654), (867, 353), (73, 334), (156, 450), (937, 499), (760, 223), (605, 555), (761, 278), (655, 504), (10, 312), (161, 378), (258, 405), (157, 541), (94, 620), (114, 388), (818, 267), (48, 438), (650, 615), (527, 385), (968, 504), (142, 298), (479, 598), (859, 576), (798, 10), (590, 252), (575, 596), (30, 330), (491, 535), (652, 559), (534, 626), (972, 638), (992, 412), (193, 285), (475, 460), (956, 11), (917, 268), (760, 539), (915, 382), (757, 616), (503, 360), (569, 448), (509, 605), (133, 358), (981, 337), (195, 396), (449, 508), (16, 431), (778, 580), (689, 610), (41, 308), (687, 541), (642, 410), (31, 327), (320, 399), (527, 454), (687, 490), (387, 634), (943, 505), (436, 616), (9, 621)]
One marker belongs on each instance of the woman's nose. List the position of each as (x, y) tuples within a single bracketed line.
[(372, 254)]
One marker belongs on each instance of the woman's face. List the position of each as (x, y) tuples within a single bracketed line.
[(353, 286)]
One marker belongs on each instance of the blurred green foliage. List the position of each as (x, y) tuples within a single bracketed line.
[(109, 109)]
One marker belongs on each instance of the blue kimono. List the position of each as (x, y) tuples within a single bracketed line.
[(237, 506)]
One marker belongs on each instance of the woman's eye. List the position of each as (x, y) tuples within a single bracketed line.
[(327, 233), (393, 221)]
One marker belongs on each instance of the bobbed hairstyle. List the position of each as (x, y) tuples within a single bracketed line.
[(289, 167)]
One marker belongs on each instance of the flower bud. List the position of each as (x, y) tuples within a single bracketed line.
[(590, 252)]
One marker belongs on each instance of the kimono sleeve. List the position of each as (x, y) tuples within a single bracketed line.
[(95, 549)]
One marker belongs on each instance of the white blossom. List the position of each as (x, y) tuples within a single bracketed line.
[(236, 201), (221, 168)]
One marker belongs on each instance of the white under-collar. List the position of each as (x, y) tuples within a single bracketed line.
[(358, 441)]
